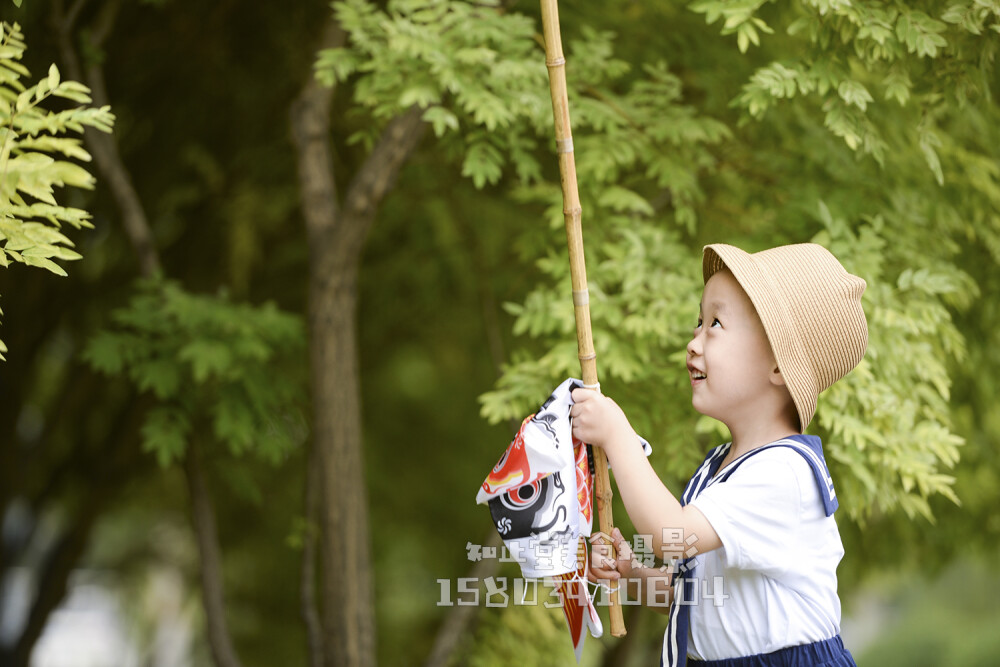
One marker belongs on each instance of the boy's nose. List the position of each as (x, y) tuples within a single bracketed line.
[(693, 347)]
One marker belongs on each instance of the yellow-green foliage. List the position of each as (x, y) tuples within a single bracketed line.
[(36, 158), (505, 632)]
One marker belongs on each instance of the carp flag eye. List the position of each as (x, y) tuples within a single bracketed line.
[(523, 496)]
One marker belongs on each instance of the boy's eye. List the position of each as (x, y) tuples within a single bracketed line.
[(715, 320)]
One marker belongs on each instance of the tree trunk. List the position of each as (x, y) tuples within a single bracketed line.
[(348, 619), (203, 516), (337, 234), (307, 587)]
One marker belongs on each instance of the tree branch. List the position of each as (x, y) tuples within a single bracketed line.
[(377, 176), (54, 574), (102, 146), (461, 620), (105, 23), (456, 623), (310, 125), (59, 562), (74, 11), (310, 122), (203, 516)]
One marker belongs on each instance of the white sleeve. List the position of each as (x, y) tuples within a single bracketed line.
[(757, 512)]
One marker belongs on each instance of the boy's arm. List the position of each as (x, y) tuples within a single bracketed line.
[(653, 509), (651, 586)]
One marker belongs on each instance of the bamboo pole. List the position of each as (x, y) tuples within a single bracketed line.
[(572, 213)]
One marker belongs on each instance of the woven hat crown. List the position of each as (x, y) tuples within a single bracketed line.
[(810, 307)]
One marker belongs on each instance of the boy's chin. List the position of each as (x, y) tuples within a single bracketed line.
[(701, 408), (705, 411)]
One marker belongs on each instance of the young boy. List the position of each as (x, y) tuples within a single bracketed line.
[(752, 540)]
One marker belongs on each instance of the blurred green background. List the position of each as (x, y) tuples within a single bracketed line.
[(326, 277)]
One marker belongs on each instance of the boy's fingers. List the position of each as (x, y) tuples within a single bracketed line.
[(600, 554), (596, 573), (599, 539), (602, 564), (623, 548), (617, 538), (601, 550)]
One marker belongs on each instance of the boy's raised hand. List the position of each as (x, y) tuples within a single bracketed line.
[(602, 566), (597, 420)]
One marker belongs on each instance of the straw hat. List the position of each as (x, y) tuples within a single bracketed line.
[(811, 311)]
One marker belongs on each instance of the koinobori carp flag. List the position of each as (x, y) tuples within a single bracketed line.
[(539, 495)]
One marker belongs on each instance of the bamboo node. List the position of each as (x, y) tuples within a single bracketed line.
[(555, 62), (576, 210), (564, 145), (581, 297), (588, 357)]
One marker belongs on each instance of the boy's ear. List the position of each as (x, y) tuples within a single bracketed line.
[(776, 377)]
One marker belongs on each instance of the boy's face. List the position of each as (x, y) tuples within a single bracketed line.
[(729, 359)]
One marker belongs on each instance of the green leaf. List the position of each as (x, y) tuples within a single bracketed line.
[(624, 200), (165, 433), (333, 65), (234, 424), (853, 92), (422, 96), (920, 33), (161, 376), (929, 143), (42, 262), (483, 163), (68, 146), (23, 100), (30, 162), (105, 352), (78, 94), (441, 120), (898, 86), (207, 358)]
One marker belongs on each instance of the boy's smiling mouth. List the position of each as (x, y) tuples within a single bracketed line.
[(696, 374)]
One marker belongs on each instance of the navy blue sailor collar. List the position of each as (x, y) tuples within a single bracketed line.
[(811, 449)]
